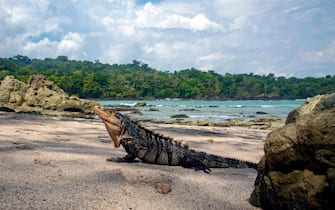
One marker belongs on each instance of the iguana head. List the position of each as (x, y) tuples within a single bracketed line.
[(113, 125)]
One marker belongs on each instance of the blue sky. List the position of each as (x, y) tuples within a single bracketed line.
[(284, 37)]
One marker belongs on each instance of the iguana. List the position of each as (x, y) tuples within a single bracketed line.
[(151, 147)]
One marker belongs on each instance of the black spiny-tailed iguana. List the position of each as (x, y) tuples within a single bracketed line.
[(151, 147)]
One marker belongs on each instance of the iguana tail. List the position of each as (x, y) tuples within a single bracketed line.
[(215, 161)]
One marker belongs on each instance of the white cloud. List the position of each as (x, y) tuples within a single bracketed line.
[(41, 49), (235, 8), (153, 16), (214, 57), (292, 9), (270, 70), (52, 24), (320, 56), (26, 17), (200, 22), (113, 54), (242, 22), (210, 61), (224, 35), (70, 44)]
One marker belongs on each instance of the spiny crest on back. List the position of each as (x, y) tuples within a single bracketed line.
[(160, 136), (151, 147)]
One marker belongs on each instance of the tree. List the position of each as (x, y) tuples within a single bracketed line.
[(22, 60), (94, 79), (62, 58)]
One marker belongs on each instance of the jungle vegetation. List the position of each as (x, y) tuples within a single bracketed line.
[(88, 79)]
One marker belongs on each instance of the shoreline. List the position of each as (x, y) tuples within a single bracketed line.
[(266, 123), (265, 98), (59, 163)]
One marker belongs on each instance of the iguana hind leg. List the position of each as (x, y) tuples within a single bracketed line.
[(195, 164)]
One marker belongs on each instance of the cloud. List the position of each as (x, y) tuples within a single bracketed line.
[(292, 9), (206, 62), (27, 18), (320, 56), (70, 45), (233, 9), (41, 49), (235, 36), (200, 22), (156, 17), (242, 22), (214, 56)]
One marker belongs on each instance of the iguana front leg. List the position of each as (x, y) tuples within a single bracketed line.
[(130, 157)]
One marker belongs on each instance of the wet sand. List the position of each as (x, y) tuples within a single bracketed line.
[(60, 163)]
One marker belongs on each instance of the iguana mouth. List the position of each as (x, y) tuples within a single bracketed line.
[(113, 125)]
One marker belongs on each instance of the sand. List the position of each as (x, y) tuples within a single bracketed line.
[(60, 163)]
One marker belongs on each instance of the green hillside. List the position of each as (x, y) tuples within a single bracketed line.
[(88, 79)]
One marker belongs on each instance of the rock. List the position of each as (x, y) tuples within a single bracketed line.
[(42, 96), (12, 92), (201, 123), (38, 81), (189, 110), (120, 108), (298, 168), (261, 112), (179, 116), (315, 104), (163, 188), (140, 104), (136, 111)]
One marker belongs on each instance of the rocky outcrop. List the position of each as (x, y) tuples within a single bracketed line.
[(312, 105), (41, 96), (298, 168)]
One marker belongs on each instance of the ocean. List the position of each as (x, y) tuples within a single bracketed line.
[(216, 111)]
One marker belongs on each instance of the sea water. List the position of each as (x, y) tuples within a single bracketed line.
[(217, 111)]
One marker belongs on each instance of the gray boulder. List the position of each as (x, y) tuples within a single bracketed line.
[(312, 105), (298, 168), (41, 96)]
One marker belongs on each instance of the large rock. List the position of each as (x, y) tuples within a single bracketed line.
[(42, 96), (298, 168), (312, 105)]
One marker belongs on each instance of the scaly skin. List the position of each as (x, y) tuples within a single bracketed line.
[(154, 148)]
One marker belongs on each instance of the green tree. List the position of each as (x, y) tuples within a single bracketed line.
[(94, 79)]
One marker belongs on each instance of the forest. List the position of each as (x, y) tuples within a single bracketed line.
[(137, 80)]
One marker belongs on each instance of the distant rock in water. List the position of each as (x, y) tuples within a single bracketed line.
[(140, 104), (179, 116), (42, 96), (189, 110), (298, 168)]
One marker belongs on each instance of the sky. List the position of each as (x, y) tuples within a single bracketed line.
[(283, 37)]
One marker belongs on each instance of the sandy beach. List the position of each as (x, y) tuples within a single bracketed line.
[(60, 163)]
